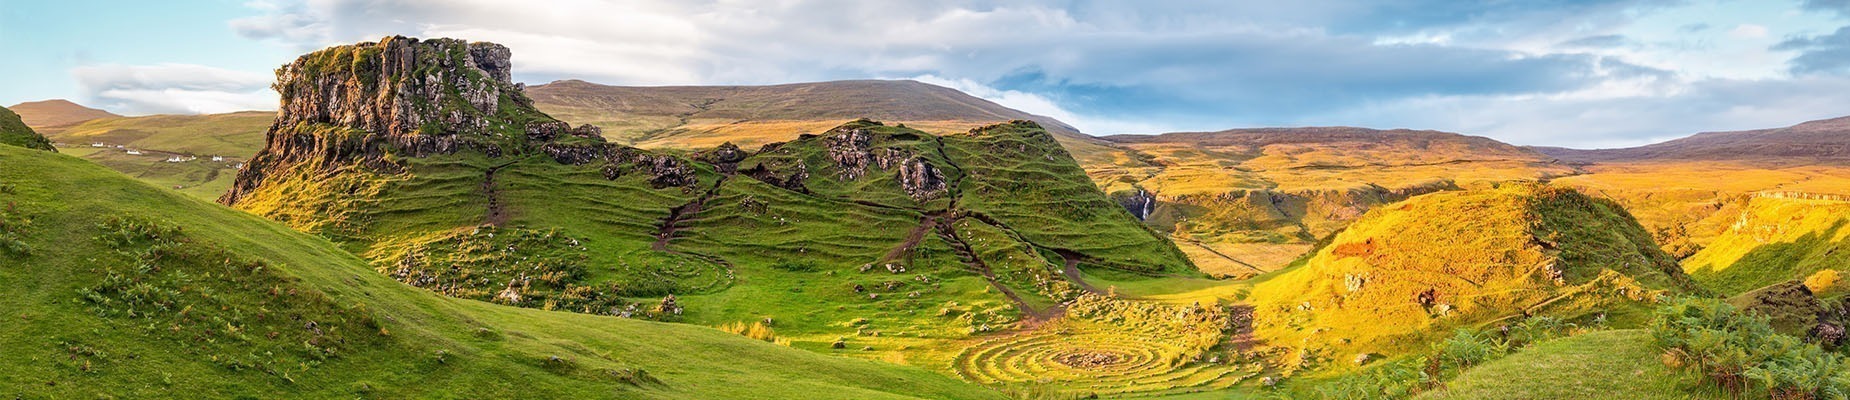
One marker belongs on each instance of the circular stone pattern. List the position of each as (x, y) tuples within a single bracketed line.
[(1090, 363)]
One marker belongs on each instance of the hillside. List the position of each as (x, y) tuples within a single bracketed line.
[(651, 115), (1779, 237), (1410, 272), (196, 154), (1246, 201), (139, 292), (1822, 141), (13, 132), (51, 115), (828, 240)]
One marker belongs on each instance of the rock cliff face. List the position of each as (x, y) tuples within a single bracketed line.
[(373, 103)]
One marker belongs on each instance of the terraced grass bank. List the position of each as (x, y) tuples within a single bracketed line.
[(119, 289)]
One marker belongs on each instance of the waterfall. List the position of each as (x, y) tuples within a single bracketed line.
[(1149, 204)]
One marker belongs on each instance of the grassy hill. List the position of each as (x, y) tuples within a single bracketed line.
[(1243, 202), (1775, 238), (867, 240), (16, 133), (121, 289), (1405, 273), (50, 115), (235, 135), (1822, 141)]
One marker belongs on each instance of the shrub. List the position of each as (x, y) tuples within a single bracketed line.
[(1739, 352), (754, 330), (1467, 348)]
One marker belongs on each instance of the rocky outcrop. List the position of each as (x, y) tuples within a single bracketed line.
[(849, 148), (372, 104), (399, 86), (726, 157), (792, 182), (922, 181)]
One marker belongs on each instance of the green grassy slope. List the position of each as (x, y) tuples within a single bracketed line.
[(14, 132), (195, 139), (857, 240), (238, 135), (120, 289), (1458, 259), (1593, 365)]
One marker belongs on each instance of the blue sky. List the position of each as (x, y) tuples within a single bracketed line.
[(1576, 73)]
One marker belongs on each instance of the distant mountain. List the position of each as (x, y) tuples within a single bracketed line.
[(55, 113), (642, 114), (1816, 141)]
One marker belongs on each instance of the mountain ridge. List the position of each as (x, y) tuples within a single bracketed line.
[(1824, 140), (57, 113)]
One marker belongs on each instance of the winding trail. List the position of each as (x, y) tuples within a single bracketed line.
[(1071, 270), (913, 237), (497, 215)]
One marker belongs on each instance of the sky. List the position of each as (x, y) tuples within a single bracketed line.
[(1575, 73)]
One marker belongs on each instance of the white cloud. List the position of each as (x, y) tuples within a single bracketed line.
[(1040, 105), (1511, 70), (1749, 31), (173, 89)]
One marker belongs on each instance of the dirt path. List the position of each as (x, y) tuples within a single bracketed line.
[(912, 238), (1071, 270), (1242, 338), (497, 215)]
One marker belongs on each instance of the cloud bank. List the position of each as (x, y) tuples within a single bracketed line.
[(1559, 72)]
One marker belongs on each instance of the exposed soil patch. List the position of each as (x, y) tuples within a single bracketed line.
[(497, 215), (1090, 359)]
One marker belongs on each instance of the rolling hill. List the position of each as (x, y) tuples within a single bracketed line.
[(1815, 142), (864, 239), (1408, 273), (703, 117), (1247, 201), (133, 291), (51, 115), (1779, 237), (1690, 191)]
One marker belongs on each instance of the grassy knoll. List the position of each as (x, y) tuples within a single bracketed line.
[(1458, 259), (1687, 205), (120, 289), (1774, 240)]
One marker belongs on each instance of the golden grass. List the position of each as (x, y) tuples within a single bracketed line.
[(1459, 258)]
